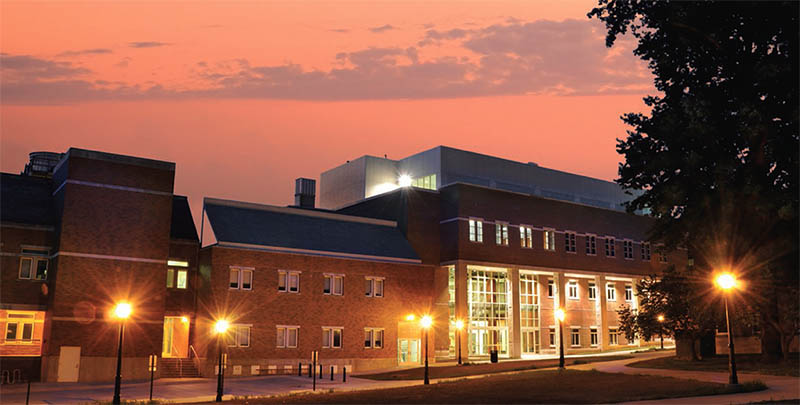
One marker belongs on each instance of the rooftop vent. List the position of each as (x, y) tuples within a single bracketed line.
[(41, 164), (533, 164), (304, 192)]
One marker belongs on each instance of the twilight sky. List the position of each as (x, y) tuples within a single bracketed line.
[(246, 96)]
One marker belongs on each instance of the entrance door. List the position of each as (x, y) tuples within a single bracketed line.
[(176, 337), (69, 362), (408, 352)]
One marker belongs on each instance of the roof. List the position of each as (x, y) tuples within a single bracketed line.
[(182, 226), (295, 230), (26, 200)]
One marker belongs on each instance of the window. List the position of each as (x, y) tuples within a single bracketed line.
[(627, 249), (610, 249), (19, 327), (170, 278), (238, 336), (373, 338), (549, 239), (569, 242), (645, 248), (575, 337), (374, 287), (552, 335), (334, 284), (475, 230), (628, 293), (287, 336), (526, 236), (241, 278), (572, 290), (593, 337), (662, 255), (613, 336), (591, 245), (529, 312), (288, 281), (550, 289), (502, 233), (181, 283), (332, 338), (426, 182), (33, 264), (611, 292), (592, 291)]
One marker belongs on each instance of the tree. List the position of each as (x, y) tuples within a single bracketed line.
[(716, 158)]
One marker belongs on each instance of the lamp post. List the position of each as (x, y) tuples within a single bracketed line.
[(221, 327), (121, 311), (726, 282), (661, 330), (459, 326), (426, 322), (560, 316)]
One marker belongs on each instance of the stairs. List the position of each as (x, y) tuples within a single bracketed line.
[(178, 368)]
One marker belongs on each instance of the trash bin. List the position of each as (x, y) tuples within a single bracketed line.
[(493, 355)]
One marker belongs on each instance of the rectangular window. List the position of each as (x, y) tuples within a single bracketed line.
[(526, 236), (572, 290), (662, 255), (591, 245), (628, 293), (611, 292), (575, 337), (426, 182), (287, 336), (281, 281), (550, 289), (332, 338), (182, 282), (569, 242), (610, 249), (552, 335), (234, 278), (334, 284), (367, 338), (645, 248), (238, 336), (288, 281), (593, 337), (241, 278), (613, 336), (170, 278), (549, 239), (33, 264), (502, 233), (373, 338), (374, 287), (592, 291), (627, 249), (475, 230)]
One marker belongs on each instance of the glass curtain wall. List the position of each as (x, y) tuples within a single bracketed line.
[(451, 305), (489, 306), (529, 312)]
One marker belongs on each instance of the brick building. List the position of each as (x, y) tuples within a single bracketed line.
[(350, 283)]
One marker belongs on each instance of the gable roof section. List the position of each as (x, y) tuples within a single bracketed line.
[(26, 200), (295, 230), (182, 226)]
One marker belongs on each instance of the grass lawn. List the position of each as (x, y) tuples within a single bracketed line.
[(565, 387), (418, 373), (747, 363)]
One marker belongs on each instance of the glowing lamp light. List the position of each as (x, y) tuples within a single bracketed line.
[(221, 326), (426, 321), (559, 314), (404, 180), (123, 310), (661, 318), (184, 319), (726, 281), (459, 324), (410, 317)]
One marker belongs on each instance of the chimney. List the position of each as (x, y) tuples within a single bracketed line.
[(304, 192)]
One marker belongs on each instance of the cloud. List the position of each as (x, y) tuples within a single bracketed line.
[(94, 51), (382, 28), (147, 44), (339, 30)]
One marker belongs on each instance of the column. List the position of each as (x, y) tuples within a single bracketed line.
[(560, 295), (602, 332), (461, 307), (515, 332)]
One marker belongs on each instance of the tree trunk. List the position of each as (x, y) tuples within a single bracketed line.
[(786, 344)]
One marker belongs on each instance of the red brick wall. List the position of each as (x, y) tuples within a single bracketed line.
[(12, 289)]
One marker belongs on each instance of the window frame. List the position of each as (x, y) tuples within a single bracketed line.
[(36, 255), (501, 233), (373, 282), (373, 340), (526, 236), (611, 292), (287, 276), (627, 249), (594, 337), (570, 285), (628, 291), (571, 242), (240, 277), (613, 336), (610, 245), (591, 244), (333, 277), (19, 323), (549, 239), (551, 288), (592, 291), (235, 332), (475, 229), (330, 331), (573, 333), (551, 335), (645, 252), (284, 330)]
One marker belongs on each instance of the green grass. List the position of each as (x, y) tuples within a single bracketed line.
[(564, 387), (747, 363), (418, 373)]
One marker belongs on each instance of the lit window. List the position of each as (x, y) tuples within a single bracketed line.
[(502, 233), (627, 249), (333, 284), (373, 338), (569, 242), (332, 338), (33, 264), (19, 327), (611, 292), (628, 293), (475, 230), (592, 291), (288, 281), (374, 287), (613, 336), (572, 290), (575, 337), (549, 239), (170, 278), (610, 249), (287, 336), (526, 236), (552, 335), (241, 278), (550, 289), (181, 283), (591, 245), (645, 248), (238, 336), (593, 337), (426, 182)]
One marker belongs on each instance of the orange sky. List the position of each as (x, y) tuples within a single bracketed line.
[(246, 96)]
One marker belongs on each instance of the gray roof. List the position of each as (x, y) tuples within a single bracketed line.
[(26, 200), (307, 231)]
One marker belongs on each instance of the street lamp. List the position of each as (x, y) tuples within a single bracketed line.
[(459, 326), (426, 322), (727, 282), (560, 316), (661, 329), (121, 311), (220, 328)]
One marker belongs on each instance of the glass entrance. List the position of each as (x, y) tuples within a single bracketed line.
[(176, 337), (408, 351), (489, 306), (529, 312)]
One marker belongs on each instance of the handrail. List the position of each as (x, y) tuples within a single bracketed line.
[(195, 358)]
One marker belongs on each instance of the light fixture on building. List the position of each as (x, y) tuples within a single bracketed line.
[(410, 317), (404, 180)]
